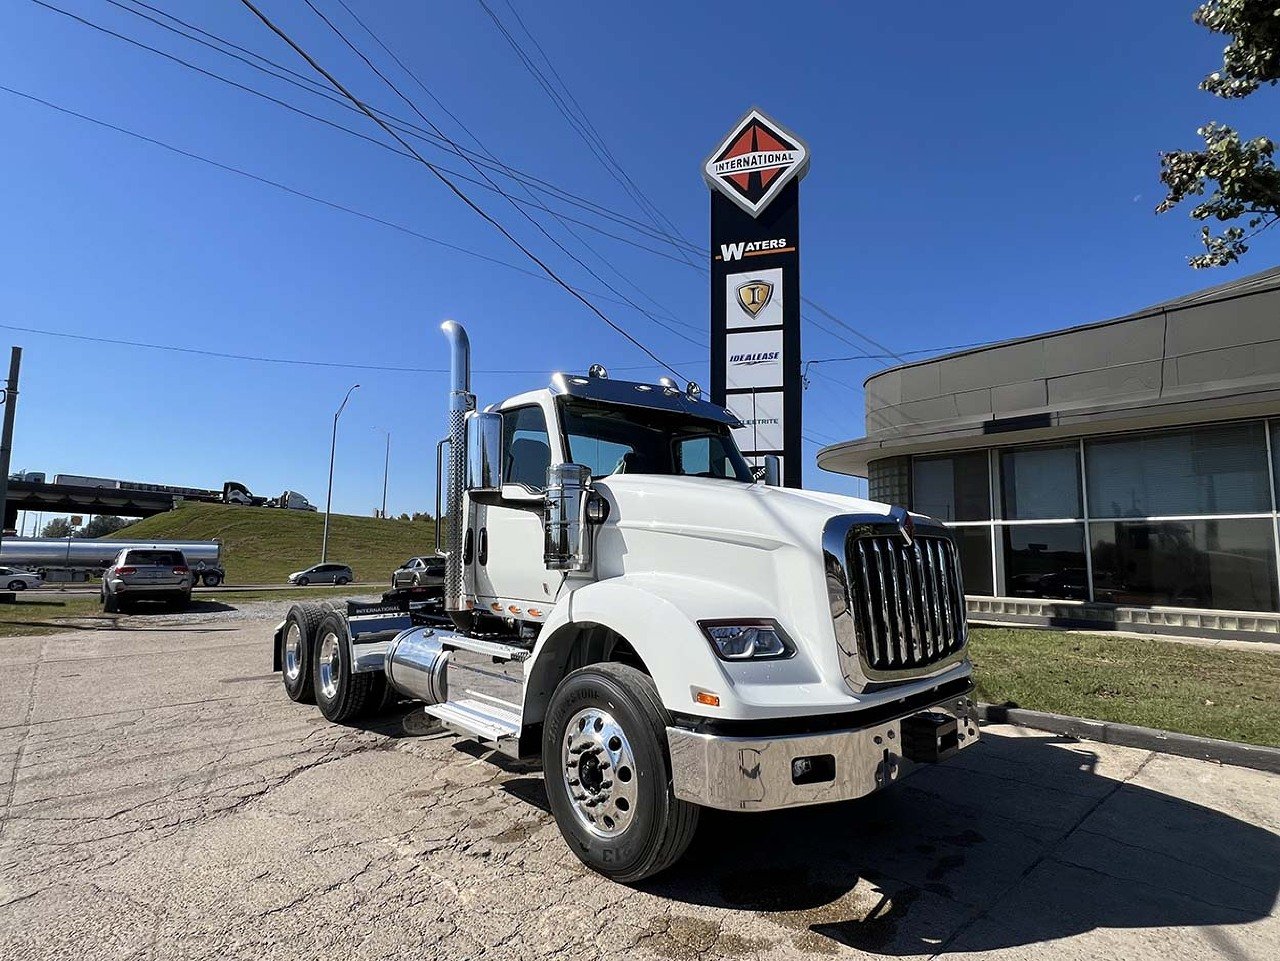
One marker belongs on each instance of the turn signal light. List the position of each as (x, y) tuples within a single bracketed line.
[(710, 700)]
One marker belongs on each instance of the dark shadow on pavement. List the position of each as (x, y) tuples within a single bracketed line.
[(1016, 843)]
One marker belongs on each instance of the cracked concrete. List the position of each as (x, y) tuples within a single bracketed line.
[(162, 798)]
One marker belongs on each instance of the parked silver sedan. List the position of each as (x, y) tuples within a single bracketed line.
[(419, 572), (13, 579)]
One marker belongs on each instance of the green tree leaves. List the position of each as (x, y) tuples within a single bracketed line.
[(1241, 173)]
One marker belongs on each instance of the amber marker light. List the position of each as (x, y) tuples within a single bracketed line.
[(710, 700)]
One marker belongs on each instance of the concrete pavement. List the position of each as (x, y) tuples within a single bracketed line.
[(162, 798)]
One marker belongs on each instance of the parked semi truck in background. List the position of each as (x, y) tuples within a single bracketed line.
[(626, 602)]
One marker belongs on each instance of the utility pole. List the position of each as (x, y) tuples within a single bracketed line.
[(386, 468), (328, 501), (6, 438)]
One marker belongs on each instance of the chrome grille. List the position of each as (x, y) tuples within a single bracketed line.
[(908, 602)]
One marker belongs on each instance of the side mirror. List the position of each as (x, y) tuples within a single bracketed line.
[(484, 451), (772, 470)]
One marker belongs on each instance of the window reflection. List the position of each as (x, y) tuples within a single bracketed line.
[(1224, 564), (974, 545), (1046, 560), (952, 488)]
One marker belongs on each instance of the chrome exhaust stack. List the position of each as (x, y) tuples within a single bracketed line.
[(461, 403)]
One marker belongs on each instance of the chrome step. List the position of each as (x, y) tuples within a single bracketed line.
[(495, 649), (487, 722)]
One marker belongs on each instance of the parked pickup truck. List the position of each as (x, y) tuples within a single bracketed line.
[(626, 603)]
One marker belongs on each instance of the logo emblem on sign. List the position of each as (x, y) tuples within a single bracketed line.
[(756, 160), (754, 296)]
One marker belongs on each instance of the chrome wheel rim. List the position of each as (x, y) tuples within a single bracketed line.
[(292, 651), (330, 659), (599, 771)]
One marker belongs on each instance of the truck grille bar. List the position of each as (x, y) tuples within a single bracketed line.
[(907, 601)]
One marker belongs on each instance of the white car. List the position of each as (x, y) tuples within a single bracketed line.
[(16, 580)]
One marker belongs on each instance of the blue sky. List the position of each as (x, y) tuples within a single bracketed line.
[(977, 174)]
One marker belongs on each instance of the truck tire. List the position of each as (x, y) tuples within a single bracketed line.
[(210, 580), (296, 645), (608, 776), (340, 695)]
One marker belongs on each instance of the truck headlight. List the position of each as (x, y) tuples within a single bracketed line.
[(747, 639)]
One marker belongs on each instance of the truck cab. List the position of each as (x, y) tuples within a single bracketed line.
[(627, 601)]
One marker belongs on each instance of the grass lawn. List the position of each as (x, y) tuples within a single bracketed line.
[(35, 612), (263, 546), (1175, 687)]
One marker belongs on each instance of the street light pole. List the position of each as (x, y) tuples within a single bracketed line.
[(328, 501), (386, 469)]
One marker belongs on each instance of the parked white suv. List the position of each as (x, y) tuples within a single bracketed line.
[(146, 574)]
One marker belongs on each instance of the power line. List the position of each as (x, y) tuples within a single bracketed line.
[(452, 187), (343, 208), (521, 177), (288, 361), (480, 170), (412, 155), (334, 205), (486, 151), (655, 215), (402, 125)]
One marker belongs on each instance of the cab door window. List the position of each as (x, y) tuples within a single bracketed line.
[(526, 447)]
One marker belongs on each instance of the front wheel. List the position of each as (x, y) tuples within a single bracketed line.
[(608, 776), (303, 581)]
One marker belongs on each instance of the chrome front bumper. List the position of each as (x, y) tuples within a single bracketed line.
[(762, 774)]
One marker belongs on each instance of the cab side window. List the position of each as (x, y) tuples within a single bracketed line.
[(526, 447)]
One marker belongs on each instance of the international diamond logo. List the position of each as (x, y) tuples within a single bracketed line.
[(756, 160)]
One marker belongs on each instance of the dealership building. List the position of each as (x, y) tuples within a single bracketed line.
[(1119, 474)]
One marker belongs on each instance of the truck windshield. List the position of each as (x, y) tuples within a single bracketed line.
[(613, 439)]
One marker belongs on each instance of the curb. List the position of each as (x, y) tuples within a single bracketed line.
[(1128, 735)]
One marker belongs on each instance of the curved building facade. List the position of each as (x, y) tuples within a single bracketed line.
[(1122, 473)]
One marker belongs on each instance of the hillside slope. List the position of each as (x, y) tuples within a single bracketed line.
[(263, 546)]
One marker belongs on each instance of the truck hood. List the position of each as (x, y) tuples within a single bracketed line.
[(726, 510)]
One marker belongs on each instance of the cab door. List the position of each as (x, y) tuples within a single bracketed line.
[(509, 575)]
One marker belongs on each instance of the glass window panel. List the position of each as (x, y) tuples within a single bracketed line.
[(1041, 482), (1045, 560), (952, 488), (1225, 564), (974, 544), (526, 447), (1209, 470)]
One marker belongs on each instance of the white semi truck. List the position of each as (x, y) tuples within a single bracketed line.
[(625, 602)]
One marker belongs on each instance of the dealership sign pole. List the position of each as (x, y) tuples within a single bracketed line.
[(754, 175)]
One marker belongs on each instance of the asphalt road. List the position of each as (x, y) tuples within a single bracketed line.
[(163, 799)]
